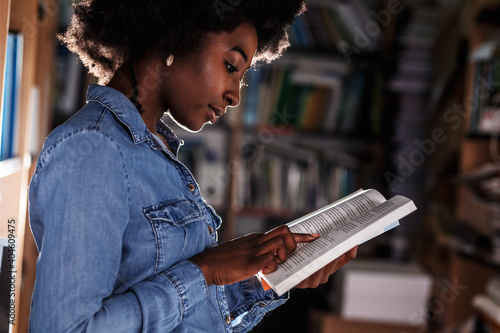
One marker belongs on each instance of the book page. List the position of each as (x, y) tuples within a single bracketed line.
[(312, 256), (338, 213)]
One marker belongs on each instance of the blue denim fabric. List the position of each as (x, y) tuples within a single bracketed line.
[(115, 218)]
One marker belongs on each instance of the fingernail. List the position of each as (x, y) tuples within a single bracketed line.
[(315, 235)]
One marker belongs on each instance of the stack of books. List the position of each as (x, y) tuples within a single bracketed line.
[(412, 84)]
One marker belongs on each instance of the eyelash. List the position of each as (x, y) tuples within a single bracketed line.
[(233, 69)]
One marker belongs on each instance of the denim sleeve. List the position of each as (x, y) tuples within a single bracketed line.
[(248, 302), (79, 209)]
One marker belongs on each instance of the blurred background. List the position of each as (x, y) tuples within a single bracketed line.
[(398, 95)]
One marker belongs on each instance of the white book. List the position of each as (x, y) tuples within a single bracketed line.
[(487, 307), (341, 225)]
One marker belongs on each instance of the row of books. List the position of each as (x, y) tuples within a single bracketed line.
[(9, 110), (485, 104), (279, 176), (412, 86), (338, 25), (487, 306), (308, 97), (275, 173)]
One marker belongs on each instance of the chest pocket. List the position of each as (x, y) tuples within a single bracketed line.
[(178, 227)]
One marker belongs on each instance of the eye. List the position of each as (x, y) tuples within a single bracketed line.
[(230, 68)]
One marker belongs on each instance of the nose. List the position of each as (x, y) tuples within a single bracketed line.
[(232, 95)]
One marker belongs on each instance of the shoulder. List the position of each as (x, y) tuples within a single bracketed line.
[(94, 130), (81, 147)]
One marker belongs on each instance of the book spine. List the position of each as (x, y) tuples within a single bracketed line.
[(9, 106)]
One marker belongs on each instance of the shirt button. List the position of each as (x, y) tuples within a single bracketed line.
[(210, 230), (228, 320), (261, 304), (191, 187)]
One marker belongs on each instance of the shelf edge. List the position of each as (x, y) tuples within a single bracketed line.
[(10, 166)]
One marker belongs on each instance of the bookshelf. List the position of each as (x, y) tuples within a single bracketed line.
[(477, 148), (358, 150), (282, 143), (26, 19), (15, 170), (461, 246)]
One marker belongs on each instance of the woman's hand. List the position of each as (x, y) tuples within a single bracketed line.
[(323, 274), (243, 257)]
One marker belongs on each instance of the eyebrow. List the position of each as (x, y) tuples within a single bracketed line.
[(240, 50)]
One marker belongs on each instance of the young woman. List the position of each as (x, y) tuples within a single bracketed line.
[(126, 241)]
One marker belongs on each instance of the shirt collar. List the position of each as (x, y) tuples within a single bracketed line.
[(127, 114)]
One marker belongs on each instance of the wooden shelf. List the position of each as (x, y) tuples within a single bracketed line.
[(10, 166), (22, 16)]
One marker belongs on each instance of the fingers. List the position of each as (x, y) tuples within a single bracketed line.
[(277, 247), (282, 232), (305, 238), (270, 263), (281, 241), (348, 256), (290, 239), (322, 275)]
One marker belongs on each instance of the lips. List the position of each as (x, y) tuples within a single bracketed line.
[(214, 113)]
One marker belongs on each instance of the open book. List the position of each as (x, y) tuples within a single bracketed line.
[(341, 225)]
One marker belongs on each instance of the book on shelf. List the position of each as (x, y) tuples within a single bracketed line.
[(326, 23), (488, 308), (492, 289), (282, 174), (373, 290), (341, 225), (9, 110), (487, 303), (489, 122), (485, 111), (206, 158), (314, 95)]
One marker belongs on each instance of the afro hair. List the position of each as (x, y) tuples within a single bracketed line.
[(107, 33)]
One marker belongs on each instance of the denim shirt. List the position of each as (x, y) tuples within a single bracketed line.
[(116, 217)]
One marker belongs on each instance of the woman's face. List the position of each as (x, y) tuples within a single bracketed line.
[(200, 87)]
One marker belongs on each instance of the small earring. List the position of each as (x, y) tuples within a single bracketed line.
[(170, 60)]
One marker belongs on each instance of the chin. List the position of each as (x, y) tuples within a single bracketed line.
[(193, 128)]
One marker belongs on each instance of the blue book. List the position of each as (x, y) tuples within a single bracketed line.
[(16, 94), (11, 96), (7, 98), (250, 112)]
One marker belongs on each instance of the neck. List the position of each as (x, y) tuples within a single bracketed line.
[(152, 110)]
